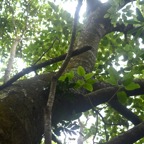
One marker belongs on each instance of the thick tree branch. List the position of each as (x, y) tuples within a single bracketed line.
[(128, 114), (130, 136), (125, 29), (102, 93), (29, 97)]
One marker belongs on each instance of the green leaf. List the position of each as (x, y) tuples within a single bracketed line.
[(70, 75), (105, 41), (79, 83), (113, 73), (91, 81), (132, 22), (81, 71), (139, 15), (62, 78), (127, 79), (114, 76), (129, 13), (132, 86), (111, 81), (88, 76), (140, 30), (107, 15), (88, 87), (122, 96)]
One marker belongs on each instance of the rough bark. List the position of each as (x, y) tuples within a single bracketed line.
[(21, 107), (21, 112), (95, 27)]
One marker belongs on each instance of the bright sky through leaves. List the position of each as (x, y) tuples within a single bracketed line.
[(70, 6)]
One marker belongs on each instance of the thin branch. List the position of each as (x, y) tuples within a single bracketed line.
[(96, 129), (103, 95), (104, 124), (46, 50), (44, 64), (48, 108), (98, 113)]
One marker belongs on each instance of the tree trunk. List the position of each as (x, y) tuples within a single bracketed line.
[(11, 59)]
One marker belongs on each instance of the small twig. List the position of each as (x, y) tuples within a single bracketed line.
[(107, 137), (46, 50), (45, 53), (93, 107), (96, 129), (48, 108), (114, 95)]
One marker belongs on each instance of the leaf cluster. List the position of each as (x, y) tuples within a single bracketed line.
[(85, 80)]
